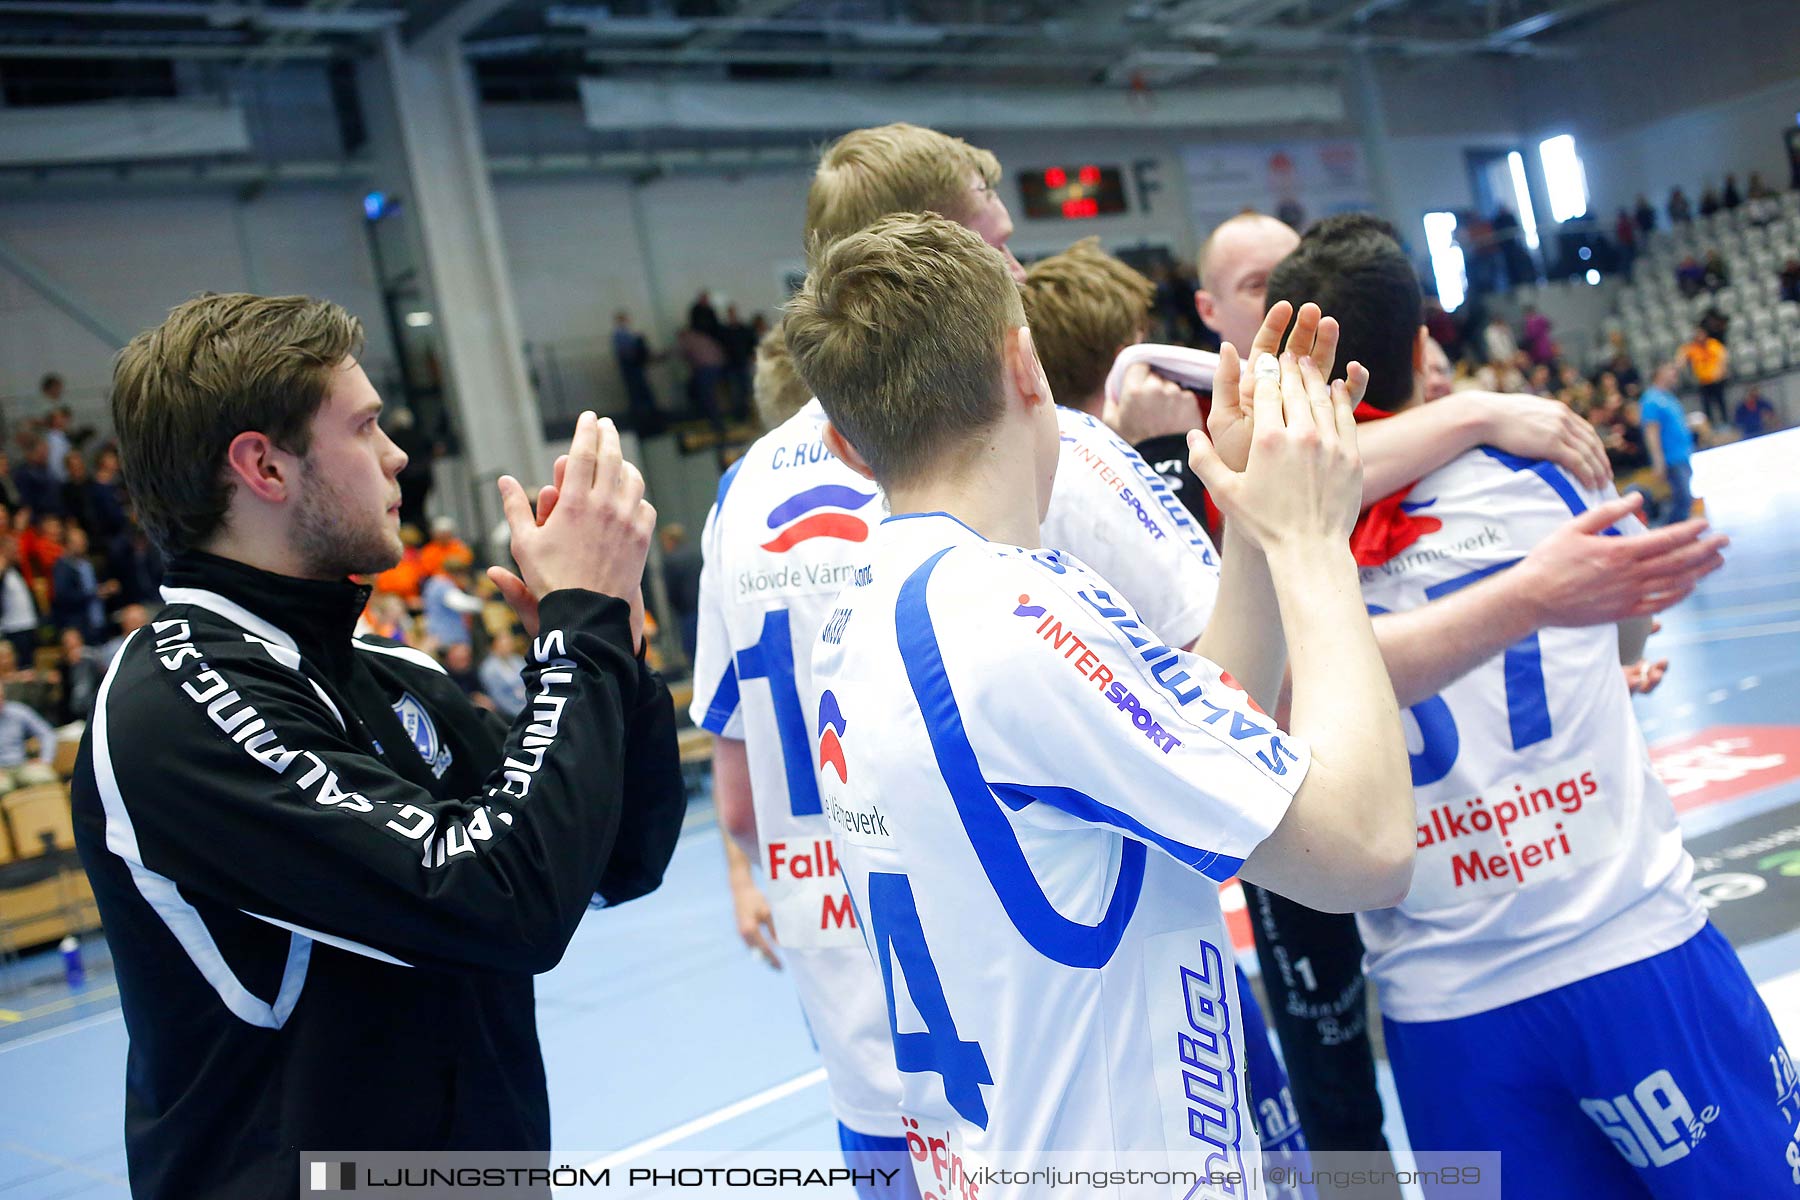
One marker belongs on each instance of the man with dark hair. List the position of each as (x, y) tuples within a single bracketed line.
[(326, 877), (1552, 960)]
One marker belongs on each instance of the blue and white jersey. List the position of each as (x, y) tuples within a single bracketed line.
[(1112, 510), (1034, 798), (1548, 850), (789, 529)]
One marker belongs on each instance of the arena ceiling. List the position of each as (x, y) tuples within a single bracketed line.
[(129, 46)]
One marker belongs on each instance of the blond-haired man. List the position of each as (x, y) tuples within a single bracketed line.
[(1027, 786), (327, 879)]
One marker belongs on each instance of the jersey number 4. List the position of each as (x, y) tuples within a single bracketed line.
[(898, 935), (1527, 702)]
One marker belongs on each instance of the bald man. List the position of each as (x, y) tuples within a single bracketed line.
[(1234, 275)]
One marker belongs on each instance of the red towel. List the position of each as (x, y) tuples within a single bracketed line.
[(1386, 528)]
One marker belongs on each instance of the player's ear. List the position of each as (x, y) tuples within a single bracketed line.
[(258, 465), (1206, 306), (834, 442), (1028, 379)]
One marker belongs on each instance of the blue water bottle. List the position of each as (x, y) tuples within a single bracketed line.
[(73, 971)]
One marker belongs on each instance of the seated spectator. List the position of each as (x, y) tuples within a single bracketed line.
[(1540, 384), (40, 546), (78, 596), (20, 723), (444, 550), (1498, 340), (75, 490), (131, 618), (39, 489), (20, 680), (1731, 198), (447, 607), (1714, 275), (459, 664), (1622, 432), (56, 442), (1754, 415), (1679, 211), (404, 577), (1790, 280), (1758, 189), (502, 675), (1709, 204), (104, 508), (137, 564), (1538, 342), (1440, 376), (387, 617), (1625, 372), (18, 607), (82, 670), (1690, 276)]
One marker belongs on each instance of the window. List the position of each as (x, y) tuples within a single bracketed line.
[(1515, 163), (1446, 259), (1564, 178)]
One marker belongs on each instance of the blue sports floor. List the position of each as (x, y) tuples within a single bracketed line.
[(660, 1029)]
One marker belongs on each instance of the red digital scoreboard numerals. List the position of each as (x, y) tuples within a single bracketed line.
[(1077, 209)]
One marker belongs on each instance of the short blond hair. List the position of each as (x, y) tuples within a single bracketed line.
[(1083, 305), (869, 173), (777, 389), (217, 366), (901, 330)]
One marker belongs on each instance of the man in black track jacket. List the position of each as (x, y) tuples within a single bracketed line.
[(326, 877)]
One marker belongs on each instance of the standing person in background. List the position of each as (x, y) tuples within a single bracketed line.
[(1669, 442), (19, 723), (1680, 211), (632, 353), (77, 595), (56, 437), (702, 317), (39, 488), (18, 607), (1709, 361), (104, 499), (1709, 202), (681, 564), (82, 669), (1538, 340), (1730, 198), (1646, 215), (1625, 233), (1497, 340), (739, 341), (502, 675), (381, 996)]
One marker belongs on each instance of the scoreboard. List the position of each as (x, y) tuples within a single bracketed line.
[(1073, 193)]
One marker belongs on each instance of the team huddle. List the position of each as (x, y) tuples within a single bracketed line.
[(996, 715)]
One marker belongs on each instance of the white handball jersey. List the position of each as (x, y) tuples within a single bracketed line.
[(1112, 510), (1548, 849), (1034, 799), (789, 529)]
